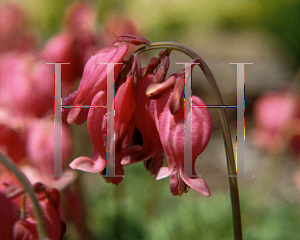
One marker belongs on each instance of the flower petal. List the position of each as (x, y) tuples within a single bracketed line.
[(94, 79), (97, 132), (198, 184), (146, 125)]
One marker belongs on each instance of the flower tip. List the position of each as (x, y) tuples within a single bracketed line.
[(198, 184), (87, 165), (134, 39), (73, 114)]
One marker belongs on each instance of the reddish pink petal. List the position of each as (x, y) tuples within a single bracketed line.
[(94, 79), (9, 215), (40, 144), (198, 184), (171, 132), (125, 105), (146, 125), (97, 131)]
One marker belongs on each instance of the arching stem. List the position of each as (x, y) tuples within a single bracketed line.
[(37, 210), (231, 166)]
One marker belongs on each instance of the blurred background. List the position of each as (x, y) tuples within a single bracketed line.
[(263, 32)]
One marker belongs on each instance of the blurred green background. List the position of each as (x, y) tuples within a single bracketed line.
[(265, 32)]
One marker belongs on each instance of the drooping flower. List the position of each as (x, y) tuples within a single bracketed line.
[(97, 126), (145, 123), (171, 132), (94, 79), (12, 226), (15, 33), (49, 201), (276, 115), (75, 44), (155, 110), (26, 84)]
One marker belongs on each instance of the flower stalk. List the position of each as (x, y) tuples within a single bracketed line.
[(231, 166), (41, 229)]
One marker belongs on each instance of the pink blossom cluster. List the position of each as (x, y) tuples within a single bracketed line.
[(147, 100), (277, 118), (27, 112), (17, 225)]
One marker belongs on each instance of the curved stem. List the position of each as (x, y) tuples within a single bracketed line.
[(231, 166), (37, 210)]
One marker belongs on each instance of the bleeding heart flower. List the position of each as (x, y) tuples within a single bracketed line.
[(75, 44), (49, 201), (94, 79), (9, 215), (151, 149), (97, 126), (11, 198), (276, 115), (171, 132), (26, 84), (15, 33)]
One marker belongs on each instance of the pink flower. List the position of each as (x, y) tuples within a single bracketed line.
[(12, 227), (144, 121), (94, 79), (171, 132), (26, 84), (124, 109), (9, 215), (49, 201), (40, 152), (14, 31), (276, 115), (117, 24), (75, 44), (159, 120)]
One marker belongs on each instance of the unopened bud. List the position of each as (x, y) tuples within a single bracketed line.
[(136, 68), (156, 90), (162, 71), (176, 101), (134, 39)]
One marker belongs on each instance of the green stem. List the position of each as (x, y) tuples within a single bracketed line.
[(231, 166), (37, 210)]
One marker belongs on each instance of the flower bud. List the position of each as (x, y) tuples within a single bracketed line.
[(162, 71), (155, 90), (175, 103), (134, 39)]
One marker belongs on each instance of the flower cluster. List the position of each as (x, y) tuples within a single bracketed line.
[(277, 116), (147, 100), (17, 218), (26, 106)]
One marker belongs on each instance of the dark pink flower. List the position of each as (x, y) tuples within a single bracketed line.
[(49, 201), (171, 132), (14, 31), (9, 215), (97, 126), (26, 85), (276, 115), (12, 142), (75, 44), (144, 121), (94, 79), (11, 197)]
